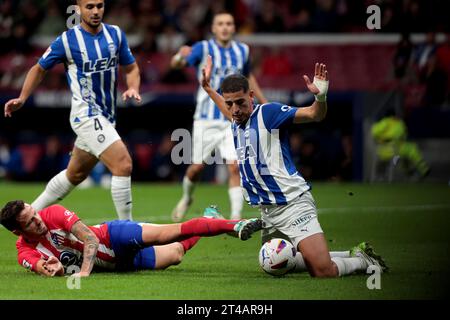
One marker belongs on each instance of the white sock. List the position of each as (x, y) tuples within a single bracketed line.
[(57, 188), (349, 265), (237, 202), (188, 188), (300, 264), (340, 254), (121, 195)]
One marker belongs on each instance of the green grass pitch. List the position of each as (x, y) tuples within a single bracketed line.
[(407, 224)]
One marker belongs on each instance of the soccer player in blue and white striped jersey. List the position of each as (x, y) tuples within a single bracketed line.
[(91, 53), (210, 126), (269, 178)]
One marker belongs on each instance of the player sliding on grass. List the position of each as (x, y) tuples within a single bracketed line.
[(54, 238), (269, 178)]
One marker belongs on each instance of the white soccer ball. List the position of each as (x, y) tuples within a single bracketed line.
[(277, 257)]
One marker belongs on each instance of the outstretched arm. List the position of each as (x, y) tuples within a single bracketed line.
[(319, 87), (217, 98), (179, 60), (133, 80), (91, 243), (32, 80), (256, 89)]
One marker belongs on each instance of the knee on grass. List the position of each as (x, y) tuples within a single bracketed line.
[(323, 271)]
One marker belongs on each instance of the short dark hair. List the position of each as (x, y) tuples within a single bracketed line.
[(218, 13), (234, 83), (9, 213)]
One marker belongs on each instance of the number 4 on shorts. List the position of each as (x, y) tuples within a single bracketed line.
[(97, 124)]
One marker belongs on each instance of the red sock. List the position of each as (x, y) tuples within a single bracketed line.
[(189, 243), (206, 227)]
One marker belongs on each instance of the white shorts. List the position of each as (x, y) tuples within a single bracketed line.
[(297, 220), (95, 135), (209, 136)]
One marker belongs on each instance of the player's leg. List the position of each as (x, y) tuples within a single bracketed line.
[(79, 167), (314, 253), (117, 159), (153, 234), (294, 222), (298, 220), (320, 263), (164, 256), (410, 151), (228, 152), (173, 253), (192, 175), (158, 257), (316, 256), (235, 191), (270, 232), (98, 136), (201, 147), (300, 265), (168, 255), (128, 237)]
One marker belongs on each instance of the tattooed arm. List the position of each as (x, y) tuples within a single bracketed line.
[(90, 240)]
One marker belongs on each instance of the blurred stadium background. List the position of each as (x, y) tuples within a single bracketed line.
[(402, 68)]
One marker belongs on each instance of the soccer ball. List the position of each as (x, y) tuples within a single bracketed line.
[(277, 257)]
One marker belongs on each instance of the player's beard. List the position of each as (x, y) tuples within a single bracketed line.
[(91, 24), (239, 119)]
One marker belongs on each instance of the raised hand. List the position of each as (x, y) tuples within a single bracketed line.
[(319, 87), (206, 73)]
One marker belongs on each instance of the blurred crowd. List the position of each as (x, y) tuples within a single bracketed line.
[(164, 25), (423, 71), (321, 157), (157, 28)]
